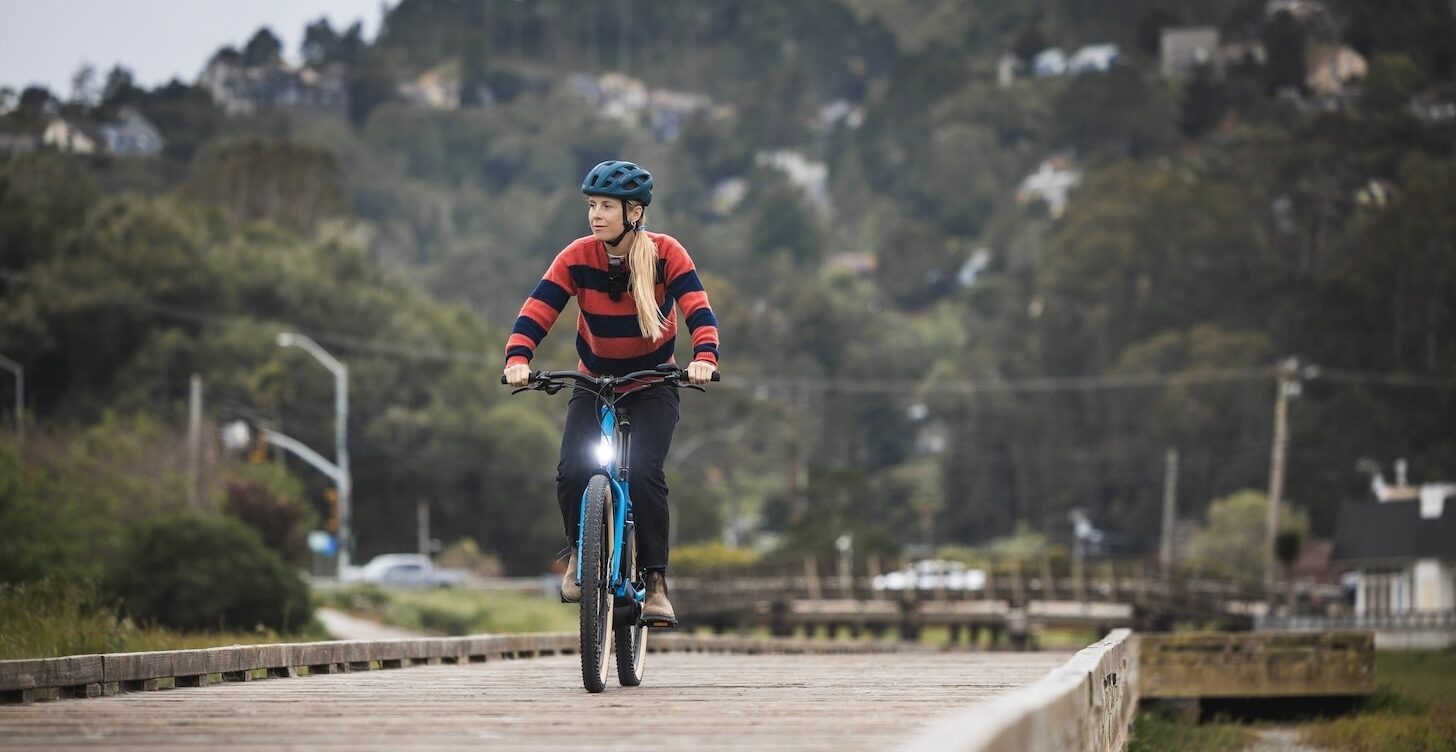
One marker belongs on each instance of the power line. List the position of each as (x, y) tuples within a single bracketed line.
[(964, 387)]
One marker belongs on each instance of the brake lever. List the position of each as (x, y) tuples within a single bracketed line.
[(694, 386), (520, 389)]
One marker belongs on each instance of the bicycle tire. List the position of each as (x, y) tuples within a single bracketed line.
[(596, 602), (631, 638)]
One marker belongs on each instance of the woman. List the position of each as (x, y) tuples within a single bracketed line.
[(625, 281)]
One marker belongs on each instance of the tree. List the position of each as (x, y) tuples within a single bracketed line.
[(1203, 105), (1393, 79), (1121, 113), (119, 89), (1233, 541), (263, 50), (293, 184), (1284, 45), (1029, 42), (320, 43), (83, 86)]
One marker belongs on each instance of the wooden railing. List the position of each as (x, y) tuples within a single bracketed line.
[(1087, 705)]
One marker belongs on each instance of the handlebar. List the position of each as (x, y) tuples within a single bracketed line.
[(670, 374)]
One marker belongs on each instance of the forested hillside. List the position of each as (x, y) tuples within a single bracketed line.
[(920, 345)]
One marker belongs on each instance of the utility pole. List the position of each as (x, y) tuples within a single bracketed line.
[(1288, 386), (194, 442), (422, 525), (1170, 497)]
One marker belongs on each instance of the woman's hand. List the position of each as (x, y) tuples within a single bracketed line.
[(518, 374), (700, 372)]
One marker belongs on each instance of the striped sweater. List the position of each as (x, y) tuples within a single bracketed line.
[(608, 339)]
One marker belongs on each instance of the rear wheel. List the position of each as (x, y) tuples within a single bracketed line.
[(631, 635), (596, 601)]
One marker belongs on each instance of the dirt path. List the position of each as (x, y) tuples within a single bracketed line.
[(1279, 740), (342, 626)]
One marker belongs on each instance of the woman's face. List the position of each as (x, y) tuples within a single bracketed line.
[(604, 216)]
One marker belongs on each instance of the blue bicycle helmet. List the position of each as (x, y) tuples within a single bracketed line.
[(617, 179)]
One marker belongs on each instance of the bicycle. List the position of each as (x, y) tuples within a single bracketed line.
[(612, 588)]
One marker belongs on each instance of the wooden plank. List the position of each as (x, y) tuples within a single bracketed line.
[(1258, 664)]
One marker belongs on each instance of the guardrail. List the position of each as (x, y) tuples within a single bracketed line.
[(84, 676), (1087, 705)]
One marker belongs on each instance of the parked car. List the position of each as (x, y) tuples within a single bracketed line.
[(932, 574), (406, 571)]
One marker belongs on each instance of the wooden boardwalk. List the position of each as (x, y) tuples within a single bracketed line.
[(689, 700)]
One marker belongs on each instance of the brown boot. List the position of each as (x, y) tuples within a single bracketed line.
[(656, 609), (570, 590)]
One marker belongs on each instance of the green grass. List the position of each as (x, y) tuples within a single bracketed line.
[(455, 611), (52, 618), (1412, 710), (1155, 731)]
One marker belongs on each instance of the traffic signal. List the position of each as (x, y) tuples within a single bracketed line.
[(259, 453)]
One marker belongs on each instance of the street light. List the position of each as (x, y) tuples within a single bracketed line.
[(341, 423), (19, 372)]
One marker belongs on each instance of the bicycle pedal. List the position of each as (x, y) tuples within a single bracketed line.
[(659, 623)]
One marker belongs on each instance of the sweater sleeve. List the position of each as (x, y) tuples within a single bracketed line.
[(684, 285), (540, 311)]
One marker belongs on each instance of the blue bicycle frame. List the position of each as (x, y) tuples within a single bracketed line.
[(612, 449)]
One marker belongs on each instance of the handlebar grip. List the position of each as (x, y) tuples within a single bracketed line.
[(716, 376), (503, 379)]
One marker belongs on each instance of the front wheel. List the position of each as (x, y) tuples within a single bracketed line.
[(631, 636), (596, 601)]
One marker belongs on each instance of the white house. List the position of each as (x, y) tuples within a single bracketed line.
[(1400, 550), (1187, 47), (1094, 58), (70, 137), (1048, 63), (1051, 183), (133, 134)]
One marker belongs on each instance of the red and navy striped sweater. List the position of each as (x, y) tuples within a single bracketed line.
[(608, 339)]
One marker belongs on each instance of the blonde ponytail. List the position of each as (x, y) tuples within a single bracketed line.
[(642, 260)]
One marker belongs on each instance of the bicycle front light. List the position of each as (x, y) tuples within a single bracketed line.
[(605, 452)]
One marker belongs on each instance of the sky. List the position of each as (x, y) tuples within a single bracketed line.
[(46, 41)]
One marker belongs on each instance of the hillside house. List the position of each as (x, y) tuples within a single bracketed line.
[(238, 88), (1332, 69), (74, 138), (1400, 549), (132, 135), (1052, 182), (1049, 63), (1181, 49), (1094, 58)]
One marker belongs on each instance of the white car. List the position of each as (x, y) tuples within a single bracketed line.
[(932, 574), (405, 571)]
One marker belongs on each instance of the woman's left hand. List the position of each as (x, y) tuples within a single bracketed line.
[(700, 371)]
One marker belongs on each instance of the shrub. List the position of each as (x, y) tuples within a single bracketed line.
[(279, 520), (192, 572)]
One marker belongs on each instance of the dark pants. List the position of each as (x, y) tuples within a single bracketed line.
[(653, 413)]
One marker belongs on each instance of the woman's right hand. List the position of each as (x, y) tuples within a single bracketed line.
[(518, 374)]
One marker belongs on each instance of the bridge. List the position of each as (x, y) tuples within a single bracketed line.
[(523, 692), (517, 692)]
